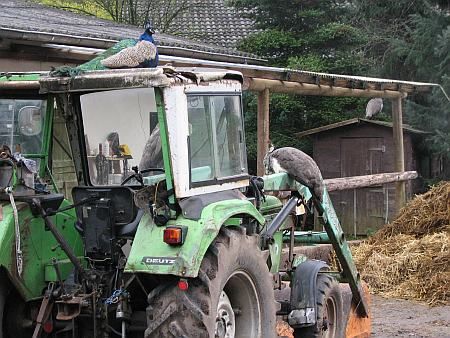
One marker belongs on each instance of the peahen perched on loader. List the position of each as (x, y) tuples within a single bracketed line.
[(298, 165), (128, 53)]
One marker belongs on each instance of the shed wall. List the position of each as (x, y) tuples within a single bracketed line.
[(362, 149)]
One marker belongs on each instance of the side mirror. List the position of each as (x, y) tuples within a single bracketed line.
[(30, 120)]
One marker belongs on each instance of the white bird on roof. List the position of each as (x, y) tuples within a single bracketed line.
[(298, 165), (374, 106)]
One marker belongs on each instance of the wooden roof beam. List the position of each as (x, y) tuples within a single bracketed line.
[(289, 87)]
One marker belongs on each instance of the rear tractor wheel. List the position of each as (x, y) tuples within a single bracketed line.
[(232, 296)]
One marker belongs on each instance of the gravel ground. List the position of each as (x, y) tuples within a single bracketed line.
[(402, 318)]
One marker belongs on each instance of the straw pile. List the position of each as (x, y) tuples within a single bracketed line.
[(410, 257)]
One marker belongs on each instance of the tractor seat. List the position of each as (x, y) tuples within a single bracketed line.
[(110, 209)]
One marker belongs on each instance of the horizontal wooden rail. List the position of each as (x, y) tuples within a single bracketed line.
[(347, 183)]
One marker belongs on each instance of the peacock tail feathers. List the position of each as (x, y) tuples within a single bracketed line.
[(130, 57), (94, 64)]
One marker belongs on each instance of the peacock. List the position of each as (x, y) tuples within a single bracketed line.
[(128, 53)]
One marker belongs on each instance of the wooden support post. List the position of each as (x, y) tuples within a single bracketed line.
[(263, 129), (397, 119)]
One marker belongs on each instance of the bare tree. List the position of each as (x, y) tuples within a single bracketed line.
[(161, 13)]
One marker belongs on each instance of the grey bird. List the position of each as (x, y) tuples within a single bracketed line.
[(298, 165), (152, 154), (374, 106)]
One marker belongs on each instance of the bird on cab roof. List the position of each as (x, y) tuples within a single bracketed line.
[(143, 54), (127, 53)]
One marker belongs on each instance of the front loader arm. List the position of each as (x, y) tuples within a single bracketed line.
[(343, 253), (281, 181)]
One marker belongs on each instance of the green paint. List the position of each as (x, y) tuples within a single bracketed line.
[(46, 136), (270, 205), (343, 253), (309, 237), (282, 181), (275, 249), (20, 77), (164, 141), (38, 246), (148, 241)]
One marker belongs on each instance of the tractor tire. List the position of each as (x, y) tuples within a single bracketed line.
[(231, 297), (330, 318)]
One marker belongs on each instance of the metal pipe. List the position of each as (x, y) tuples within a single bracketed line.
[(309, 237), (280, 217), (19, 85), (59, 238)]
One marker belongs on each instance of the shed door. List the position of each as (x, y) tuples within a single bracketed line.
[(362, 210)]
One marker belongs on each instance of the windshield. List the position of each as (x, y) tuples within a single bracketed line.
[(120, 126), (21, 125), (216, 138)]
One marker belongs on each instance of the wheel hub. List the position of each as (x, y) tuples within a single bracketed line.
[(225, 320), (329, 320)]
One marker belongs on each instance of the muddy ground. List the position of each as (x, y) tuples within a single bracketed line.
[(401, 318)]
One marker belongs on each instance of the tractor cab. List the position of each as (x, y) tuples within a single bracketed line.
[(160, 143), (134, 127)]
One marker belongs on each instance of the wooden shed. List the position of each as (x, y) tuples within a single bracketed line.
[(364, 147)]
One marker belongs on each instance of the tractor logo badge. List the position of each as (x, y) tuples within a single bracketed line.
[(158, 260)]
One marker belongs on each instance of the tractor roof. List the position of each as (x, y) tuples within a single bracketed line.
[(133, 78)]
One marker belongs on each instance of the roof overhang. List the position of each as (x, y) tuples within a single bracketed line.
[(283, 80), (68, 42), (300, 82)]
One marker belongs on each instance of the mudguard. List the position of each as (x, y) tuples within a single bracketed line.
[(303, 293), (149, 253)]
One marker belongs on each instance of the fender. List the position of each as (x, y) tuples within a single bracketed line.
[(303, 293), (149, 253)]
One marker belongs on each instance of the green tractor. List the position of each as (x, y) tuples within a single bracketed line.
[(164, 234)]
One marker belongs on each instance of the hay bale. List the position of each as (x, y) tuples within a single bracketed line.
[(410, 258)]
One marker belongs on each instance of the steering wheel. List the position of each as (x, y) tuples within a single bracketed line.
[(137, 175)]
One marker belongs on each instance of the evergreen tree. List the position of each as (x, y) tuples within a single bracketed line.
[(312, 35), (411, 41)]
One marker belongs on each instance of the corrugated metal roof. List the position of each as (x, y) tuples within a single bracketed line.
[(353, 121), (304, 76)]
